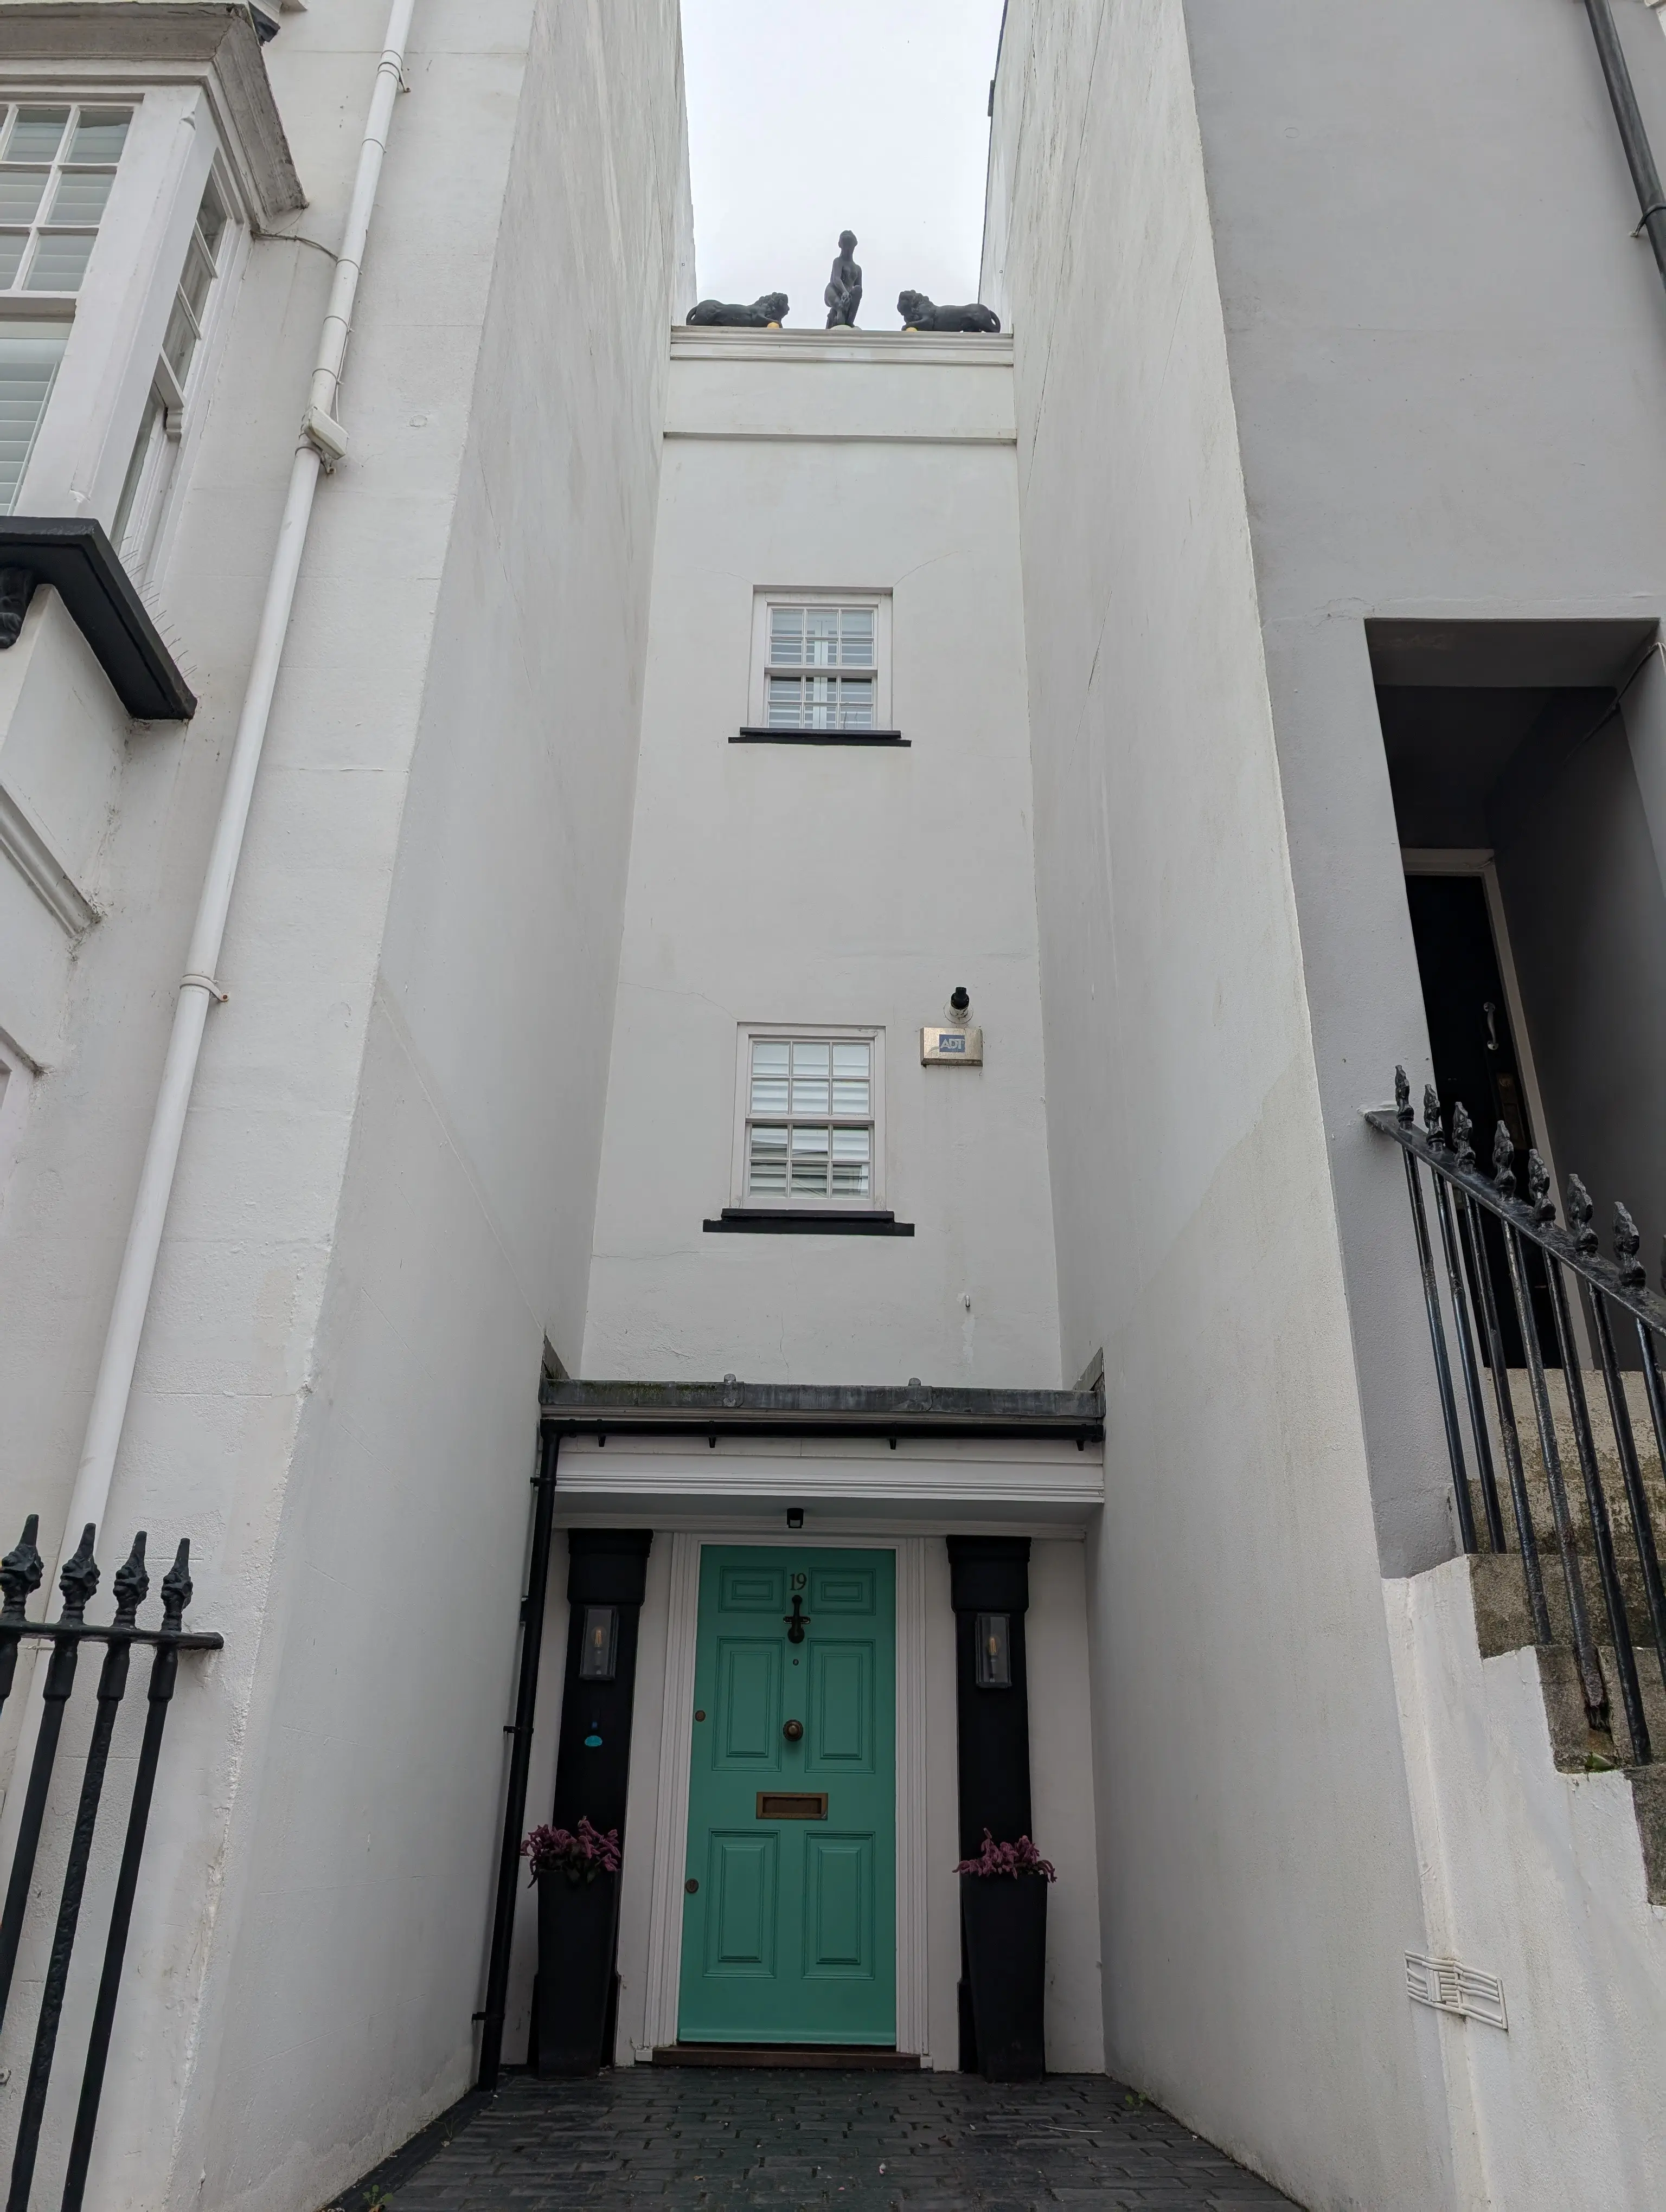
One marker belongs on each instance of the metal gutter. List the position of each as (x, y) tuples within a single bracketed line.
[(1633, 135), (519, 1733), (1001, 41), (779, 1409)]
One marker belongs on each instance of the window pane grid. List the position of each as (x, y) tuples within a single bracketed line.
[(818, 1141), (821, 637), (56, 168), (821, 665), (820, 703), (150, 468), (184, 325)]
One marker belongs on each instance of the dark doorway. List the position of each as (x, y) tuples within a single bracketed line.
[(1469, 1032), (1476, 1063), (1538, 777)]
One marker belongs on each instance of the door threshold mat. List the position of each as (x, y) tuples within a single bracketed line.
[(846, 2057)]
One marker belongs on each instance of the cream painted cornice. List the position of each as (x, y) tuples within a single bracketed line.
[(1051, 1487), (895, 349), (126, 45)]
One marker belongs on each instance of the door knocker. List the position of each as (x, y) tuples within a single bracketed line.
[(797, 1621)]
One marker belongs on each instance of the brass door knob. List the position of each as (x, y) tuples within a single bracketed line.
[(793, 1731)]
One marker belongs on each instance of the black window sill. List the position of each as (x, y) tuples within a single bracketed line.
[(83, 568), (804, 1221), (751, 737)]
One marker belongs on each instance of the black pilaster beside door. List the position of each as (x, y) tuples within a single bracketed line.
[(989, 1580), (577, 1924)]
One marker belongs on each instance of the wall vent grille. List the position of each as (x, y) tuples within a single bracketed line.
[(1449, 1987)]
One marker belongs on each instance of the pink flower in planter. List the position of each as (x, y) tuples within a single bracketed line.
[(1021, 1857), (580, 1854)]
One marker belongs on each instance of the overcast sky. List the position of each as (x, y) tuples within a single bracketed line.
[(811, 117)]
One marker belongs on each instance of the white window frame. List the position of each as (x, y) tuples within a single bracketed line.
[(764, 598), (43, 223), (117, 320), (791, 1201), (19, 303), (176, 426)]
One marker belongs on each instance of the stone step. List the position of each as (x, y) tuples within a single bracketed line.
[(1610, 1472), (1502, 1624)]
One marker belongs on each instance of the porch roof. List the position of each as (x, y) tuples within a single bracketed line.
[(815, 1409)]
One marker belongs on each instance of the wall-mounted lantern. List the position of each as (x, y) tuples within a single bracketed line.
[(994, 1651), (599, 1644)]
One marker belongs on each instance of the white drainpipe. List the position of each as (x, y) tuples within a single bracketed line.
[(322, 444)]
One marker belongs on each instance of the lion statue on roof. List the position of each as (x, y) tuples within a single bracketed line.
[(920, 313), (768, 313)]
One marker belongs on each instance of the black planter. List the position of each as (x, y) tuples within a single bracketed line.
[(577, 1923), (1005, 1919)]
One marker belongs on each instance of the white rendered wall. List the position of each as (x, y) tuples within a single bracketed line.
[(840, 884), (464, 1215), (384, 1195), (1062, 1788), (63, 741), (1259, 1878), (1535, 1876)]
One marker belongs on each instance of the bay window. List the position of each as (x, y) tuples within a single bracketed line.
[(58, 161)]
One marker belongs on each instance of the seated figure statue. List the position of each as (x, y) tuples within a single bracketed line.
[(768, 313), (920, 313), (843, 295)]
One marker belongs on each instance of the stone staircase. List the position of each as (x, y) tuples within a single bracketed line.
[(1503, 1621)]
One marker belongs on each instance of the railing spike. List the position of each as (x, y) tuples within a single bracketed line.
[(131, 1585), (1580, 1208), (177, 1586), (1462, 1127), (1433, 1127), (1538, 1189), (80, 1578), (1627, 1243), (1504, 1162), (1402, 1094), (20, 1572)]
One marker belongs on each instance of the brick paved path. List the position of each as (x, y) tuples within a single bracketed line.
[(685, 2140)]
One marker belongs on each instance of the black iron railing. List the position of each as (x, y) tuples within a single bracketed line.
[(20, 1572), (1616, 1302)]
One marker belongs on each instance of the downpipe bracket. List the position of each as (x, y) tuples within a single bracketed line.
[(326, 437)]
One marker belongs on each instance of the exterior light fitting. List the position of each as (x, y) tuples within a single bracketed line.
[(599, 1646), (993, 1668)]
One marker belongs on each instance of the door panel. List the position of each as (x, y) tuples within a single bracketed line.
[(838, 1905), (740, 1921), (789, 1929), (749, 1698), (842, 1590), (753, 1589), (842, 1700)]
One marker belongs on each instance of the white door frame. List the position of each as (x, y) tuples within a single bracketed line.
[(1477, 860), (664, 1957)]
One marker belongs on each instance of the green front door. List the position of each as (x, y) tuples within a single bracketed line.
[(789, 1912)]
